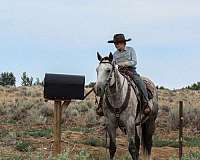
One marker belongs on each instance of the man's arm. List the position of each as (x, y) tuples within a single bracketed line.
[(132, 62)]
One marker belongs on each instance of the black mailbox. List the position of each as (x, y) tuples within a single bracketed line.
[(63, 87)]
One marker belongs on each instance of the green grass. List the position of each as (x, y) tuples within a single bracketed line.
[(23, 146), (9, 121), (3, 133), (157, 142), (37, 133), (92, 141), (63, 156), (125, 157), (190, 156), (192, 141), (188, 141), (83, 155), (11, 158), (82, 129)]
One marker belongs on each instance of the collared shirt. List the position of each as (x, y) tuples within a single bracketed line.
[(126, 58)]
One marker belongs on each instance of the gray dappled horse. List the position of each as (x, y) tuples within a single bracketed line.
[(120, 108)]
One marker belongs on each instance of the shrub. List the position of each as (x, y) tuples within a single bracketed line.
[(19, 114), (82, 107), (2, 110), (46, 111), (91, 118), (71, 112), (83, 155), (191, 118), (23, 146)]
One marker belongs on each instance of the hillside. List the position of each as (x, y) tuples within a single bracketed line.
[(26, 125)]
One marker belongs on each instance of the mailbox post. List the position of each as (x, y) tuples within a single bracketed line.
[(59, 87)]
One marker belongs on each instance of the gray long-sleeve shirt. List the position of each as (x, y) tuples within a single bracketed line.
[(126, 58)]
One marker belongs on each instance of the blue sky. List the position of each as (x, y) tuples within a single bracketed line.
[(63, 37)]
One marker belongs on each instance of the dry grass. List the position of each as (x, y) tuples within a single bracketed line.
[(23, 110)]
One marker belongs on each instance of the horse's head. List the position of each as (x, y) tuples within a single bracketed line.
[(104, 73)]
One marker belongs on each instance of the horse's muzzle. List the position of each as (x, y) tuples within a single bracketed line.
[(99, 90)]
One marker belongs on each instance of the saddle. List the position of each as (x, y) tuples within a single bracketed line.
[(149, 84)]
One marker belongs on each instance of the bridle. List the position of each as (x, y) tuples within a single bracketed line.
[(110, 74)]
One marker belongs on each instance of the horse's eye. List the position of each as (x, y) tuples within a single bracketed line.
[(108, 70)]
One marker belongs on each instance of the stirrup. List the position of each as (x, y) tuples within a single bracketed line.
[(99, 111), (143, 120), (147, 112)]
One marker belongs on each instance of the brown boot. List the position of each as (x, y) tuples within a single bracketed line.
[(99, 109), (147, 108)]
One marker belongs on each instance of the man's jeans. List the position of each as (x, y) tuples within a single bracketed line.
[(140, 84)]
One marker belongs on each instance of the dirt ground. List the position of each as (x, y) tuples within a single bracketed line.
[(72, 141), (26, 117)]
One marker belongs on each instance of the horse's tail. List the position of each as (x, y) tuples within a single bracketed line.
[(147, 133)]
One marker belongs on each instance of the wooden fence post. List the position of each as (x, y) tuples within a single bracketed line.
[(58, 105), (180, 130), (57, 128)]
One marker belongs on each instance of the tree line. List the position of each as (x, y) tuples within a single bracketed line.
[(194, 86), (8, 78)]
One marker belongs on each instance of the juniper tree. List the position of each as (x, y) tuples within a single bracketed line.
[(7, 78), (26, 81)]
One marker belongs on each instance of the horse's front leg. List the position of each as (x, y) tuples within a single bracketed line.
[(112, 135), (133, 150)]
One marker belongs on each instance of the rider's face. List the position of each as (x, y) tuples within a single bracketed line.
[(120, 46)]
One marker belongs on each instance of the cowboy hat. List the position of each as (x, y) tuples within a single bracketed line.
[(119, 38)]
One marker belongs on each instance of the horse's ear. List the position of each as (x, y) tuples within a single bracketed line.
[(111, 56), (99, 56)]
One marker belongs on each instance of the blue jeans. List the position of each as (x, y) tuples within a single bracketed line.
[(140, 84)]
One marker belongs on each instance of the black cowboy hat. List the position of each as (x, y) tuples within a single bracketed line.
[(119, 38)]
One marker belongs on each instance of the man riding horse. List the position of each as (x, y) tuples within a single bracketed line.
[(125, 58)]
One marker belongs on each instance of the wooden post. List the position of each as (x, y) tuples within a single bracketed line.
[(180, 130), (57, 128), (57, 125)]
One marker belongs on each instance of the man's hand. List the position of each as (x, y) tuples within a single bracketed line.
[(123, 64)]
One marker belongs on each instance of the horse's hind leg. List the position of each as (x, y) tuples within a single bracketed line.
[(137, 142), (132, 147), (112, 147)]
